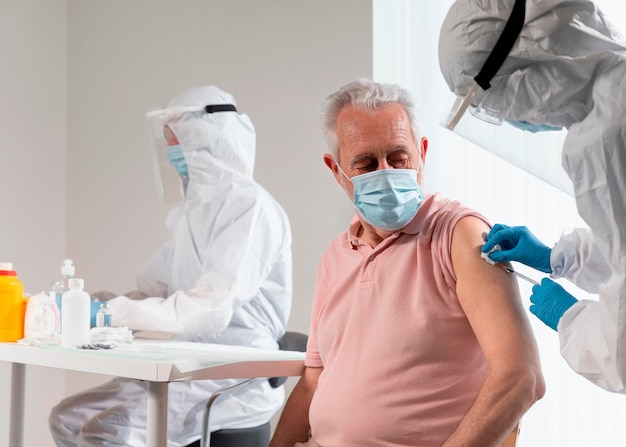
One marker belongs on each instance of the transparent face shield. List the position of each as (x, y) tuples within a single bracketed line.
[(482, 104), (536, 153), (169, 183), (487, 106), (162, 130)]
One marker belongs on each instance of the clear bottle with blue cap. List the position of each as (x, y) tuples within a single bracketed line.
[(103, 316)]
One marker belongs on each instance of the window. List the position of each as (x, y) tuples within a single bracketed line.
[(515, 181)]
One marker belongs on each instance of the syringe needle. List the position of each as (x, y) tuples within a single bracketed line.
[(518, 274)]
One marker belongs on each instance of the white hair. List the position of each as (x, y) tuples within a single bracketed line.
[(369, 96)]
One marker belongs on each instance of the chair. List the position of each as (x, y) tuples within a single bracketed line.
[(511, 440), (254, 436)]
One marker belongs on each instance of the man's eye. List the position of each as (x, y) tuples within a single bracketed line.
[(366, 165), (366, 168), (399, 164)]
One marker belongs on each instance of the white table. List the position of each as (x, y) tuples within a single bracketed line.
[(157, 362)]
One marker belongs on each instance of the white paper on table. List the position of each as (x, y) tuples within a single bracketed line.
[(190, 356)]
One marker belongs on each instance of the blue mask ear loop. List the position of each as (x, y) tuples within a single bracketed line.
[(344, 174)]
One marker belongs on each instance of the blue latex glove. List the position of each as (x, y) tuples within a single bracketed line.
[(95, 307), (550, 301), (517, 244)]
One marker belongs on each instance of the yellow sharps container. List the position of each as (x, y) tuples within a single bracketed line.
[(12, 304)]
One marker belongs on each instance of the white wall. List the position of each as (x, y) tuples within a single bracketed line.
[(95, 68), (32, 172), (278, 58)]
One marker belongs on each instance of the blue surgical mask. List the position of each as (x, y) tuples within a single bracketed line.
[(177, 159), (387, 199), (534, 128)]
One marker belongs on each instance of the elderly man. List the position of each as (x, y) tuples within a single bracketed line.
[(223, 277), (414, 340)]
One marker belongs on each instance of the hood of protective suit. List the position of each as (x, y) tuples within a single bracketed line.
[(547, 77), (214, 144), (226, 269)]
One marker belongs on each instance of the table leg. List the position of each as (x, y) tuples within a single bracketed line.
[(18, 372), (156, 427)]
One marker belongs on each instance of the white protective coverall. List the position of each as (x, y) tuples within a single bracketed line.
[(567, 68), (225, 276)]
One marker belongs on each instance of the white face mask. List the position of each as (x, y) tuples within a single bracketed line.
[(387, 199)]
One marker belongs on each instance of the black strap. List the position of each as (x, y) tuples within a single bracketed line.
[(220, 108), (509, 35)]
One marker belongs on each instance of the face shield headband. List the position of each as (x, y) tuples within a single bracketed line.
[(168, 179), (496, 58)]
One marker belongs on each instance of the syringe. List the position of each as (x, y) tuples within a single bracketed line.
[(518, 274)]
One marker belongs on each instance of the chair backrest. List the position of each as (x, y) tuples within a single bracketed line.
[(291, 341), (511, 440)]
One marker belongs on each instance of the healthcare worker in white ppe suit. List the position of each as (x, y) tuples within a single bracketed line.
[(225, 276), (557, 64)]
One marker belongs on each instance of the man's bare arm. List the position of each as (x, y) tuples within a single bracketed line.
[(490, 298), (293, 425)]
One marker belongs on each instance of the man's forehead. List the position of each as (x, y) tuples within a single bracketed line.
[(382, 124), (386, 122)]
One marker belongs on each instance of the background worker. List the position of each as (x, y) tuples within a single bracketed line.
[(224, 277)]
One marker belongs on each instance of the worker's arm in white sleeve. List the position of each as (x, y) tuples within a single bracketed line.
[(592, 335), (237, 257), (179, 313), (577, 258)]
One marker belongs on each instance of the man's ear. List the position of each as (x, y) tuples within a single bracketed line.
[(329, 161), (424, 148)]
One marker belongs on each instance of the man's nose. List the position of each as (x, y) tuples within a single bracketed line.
[(383, 164)]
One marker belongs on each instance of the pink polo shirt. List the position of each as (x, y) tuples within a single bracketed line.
[(401, 363)]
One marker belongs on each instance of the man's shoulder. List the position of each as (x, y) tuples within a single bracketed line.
[(437, 211), (440, 204)]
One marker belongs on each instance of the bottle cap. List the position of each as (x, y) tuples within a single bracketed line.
[(8, 266), (67, 269), (6, 269), (76, 283)]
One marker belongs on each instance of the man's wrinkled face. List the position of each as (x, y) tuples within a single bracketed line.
[(370, 141)]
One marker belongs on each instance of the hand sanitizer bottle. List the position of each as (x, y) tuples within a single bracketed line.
[(75, 315), (60, 286)]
